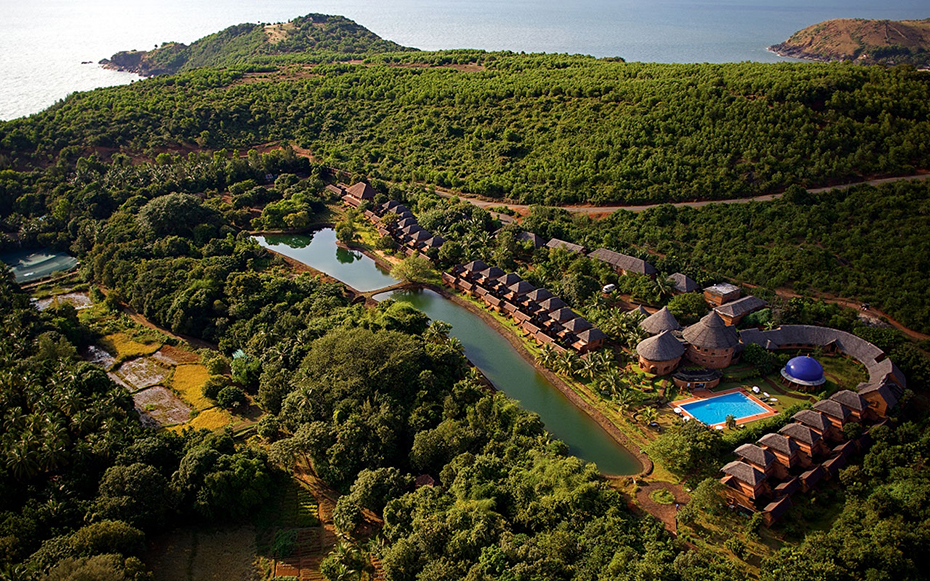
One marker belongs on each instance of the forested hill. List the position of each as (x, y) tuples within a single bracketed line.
[(863, 41), (548, 129), (323, 36)]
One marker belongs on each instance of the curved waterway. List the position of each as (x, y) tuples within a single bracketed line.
[(484, 347), (319, 250)]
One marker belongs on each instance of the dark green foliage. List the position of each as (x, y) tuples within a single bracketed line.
[(863, 243), (688, 449), (174, 214), (107, 537), (539, 128), (882, 530), (137, 494), (215, 385), (765, 361), (231, 397), (687, 308)]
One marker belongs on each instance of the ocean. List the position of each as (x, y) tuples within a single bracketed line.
[(44, 42)]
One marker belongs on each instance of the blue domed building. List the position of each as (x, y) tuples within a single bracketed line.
[(804, 373)]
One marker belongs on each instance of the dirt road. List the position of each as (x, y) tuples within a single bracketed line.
[(524, 209)]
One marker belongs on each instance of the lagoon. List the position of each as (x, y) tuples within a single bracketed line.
[(319, 250), (484, 347)]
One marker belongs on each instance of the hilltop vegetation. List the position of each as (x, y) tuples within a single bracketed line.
[(863, 41), (548, 129), (326, 37)]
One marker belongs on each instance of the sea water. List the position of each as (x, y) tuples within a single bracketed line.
[(44, 42)]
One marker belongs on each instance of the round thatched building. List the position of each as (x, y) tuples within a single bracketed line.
[(711, 342)]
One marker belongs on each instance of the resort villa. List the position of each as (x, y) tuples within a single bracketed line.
[(763, 476)]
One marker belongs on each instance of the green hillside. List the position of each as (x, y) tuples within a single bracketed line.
[(319, 34), (537, 128)]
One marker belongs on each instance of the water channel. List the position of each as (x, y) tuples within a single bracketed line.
[(321, 252), (484, 347)]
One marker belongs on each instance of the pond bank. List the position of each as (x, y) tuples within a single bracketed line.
[(612, 430)]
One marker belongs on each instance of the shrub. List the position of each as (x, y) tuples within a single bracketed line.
[(215, 385), (231, 397)]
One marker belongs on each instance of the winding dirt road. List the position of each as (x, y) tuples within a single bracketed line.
[(524, 208)]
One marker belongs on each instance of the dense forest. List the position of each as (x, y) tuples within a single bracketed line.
[(864, 243), (372, 395), (145, 186), (538, 128)]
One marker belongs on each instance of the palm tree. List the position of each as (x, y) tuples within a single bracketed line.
[(624, 401), (664, 286), (611, 382), (589, 367), (546, 356), (648, 415)]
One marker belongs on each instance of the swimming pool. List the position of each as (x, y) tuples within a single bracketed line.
[(714, 410)]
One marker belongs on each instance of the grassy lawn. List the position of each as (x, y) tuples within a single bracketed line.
[(843, 371)]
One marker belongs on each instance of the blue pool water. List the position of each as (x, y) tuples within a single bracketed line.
[(715, 410)]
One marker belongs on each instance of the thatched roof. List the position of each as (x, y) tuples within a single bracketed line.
[(556, 243), (683, 283), (721, 288), (362, 191), (435, 242), (883, 390), (711, 333), (492, 273), (539, 294), (780, 443), (577, 325), (777, 508), (812, 419), (742, 306), (552, 304), (411, 228), (520, 287), (662, 347), (638, 310), (509, 279), (755, 455), (833, 409), (661, 320), (742, 471), (405, 223), (878, 366), (591, 335), (800, 433), (623, 261), (562, 315), (538, 241), (850, 399), (475, 266)]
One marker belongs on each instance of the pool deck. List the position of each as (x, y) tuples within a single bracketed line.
[(702, 394)]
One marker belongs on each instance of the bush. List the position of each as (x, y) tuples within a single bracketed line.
[(347, 515), (109, 536), (268, 427), (215, 362), (214, 385), (231, 397)]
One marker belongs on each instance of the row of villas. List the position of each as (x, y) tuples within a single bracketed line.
[(405, 229), (766, 474), (541, 315), (812, 448)]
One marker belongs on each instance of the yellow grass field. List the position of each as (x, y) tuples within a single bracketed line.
[(188, 381), (212, 419), (123, 347)]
